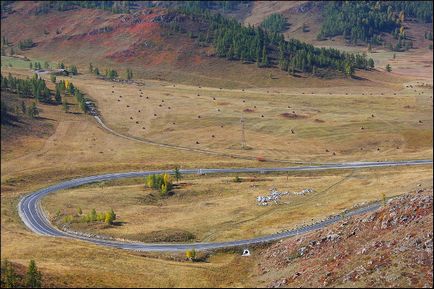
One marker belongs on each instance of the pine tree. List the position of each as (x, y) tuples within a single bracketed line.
[(23, 107), (58, 97), (264, 61), (349, 69), (93, 215), (177, 174), (388, 68), (33, 276), (371, 63)]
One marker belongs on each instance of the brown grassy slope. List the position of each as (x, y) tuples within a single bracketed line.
[(136, 41), (22, 131), (390, 247)]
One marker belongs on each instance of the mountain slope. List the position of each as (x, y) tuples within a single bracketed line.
[(390, 247), (159, 38)]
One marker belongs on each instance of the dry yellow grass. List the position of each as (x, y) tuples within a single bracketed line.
[(79, 147), (193, 117), (215, 208)]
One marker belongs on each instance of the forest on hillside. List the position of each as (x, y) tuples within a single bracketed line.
[(266, 48), (365, 20)]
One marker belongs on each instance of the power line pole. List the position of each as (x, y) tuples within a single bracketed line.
[(243, 136)]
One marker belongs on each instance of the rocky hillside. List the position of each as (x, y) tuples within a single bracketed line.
[(392, 247)]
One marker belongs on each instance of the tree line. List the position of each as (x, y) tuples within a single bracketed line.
[(110, 73), (29, 87), (93, 216), (36, 87)]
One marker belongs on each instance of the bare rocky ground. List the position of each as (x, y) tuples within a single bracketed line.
[(392, 247)]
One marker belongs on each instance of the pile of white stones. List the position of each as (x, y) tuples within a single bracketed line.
[(275, 196)]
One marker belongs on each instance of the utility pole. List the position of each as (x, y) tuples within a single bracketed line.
[(243, 136)]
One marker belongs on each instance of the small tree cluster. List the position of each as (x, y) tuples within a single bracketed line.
[(111, 73), (26, 44), (36, 65), (73, 69), (162, 182), (93, 216)]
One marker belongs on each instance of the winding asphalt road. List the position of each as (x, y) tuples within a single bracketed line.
[(34, 218)]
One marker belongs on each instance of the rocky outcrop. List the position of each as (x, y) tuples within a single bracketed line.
[(389, 247)]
